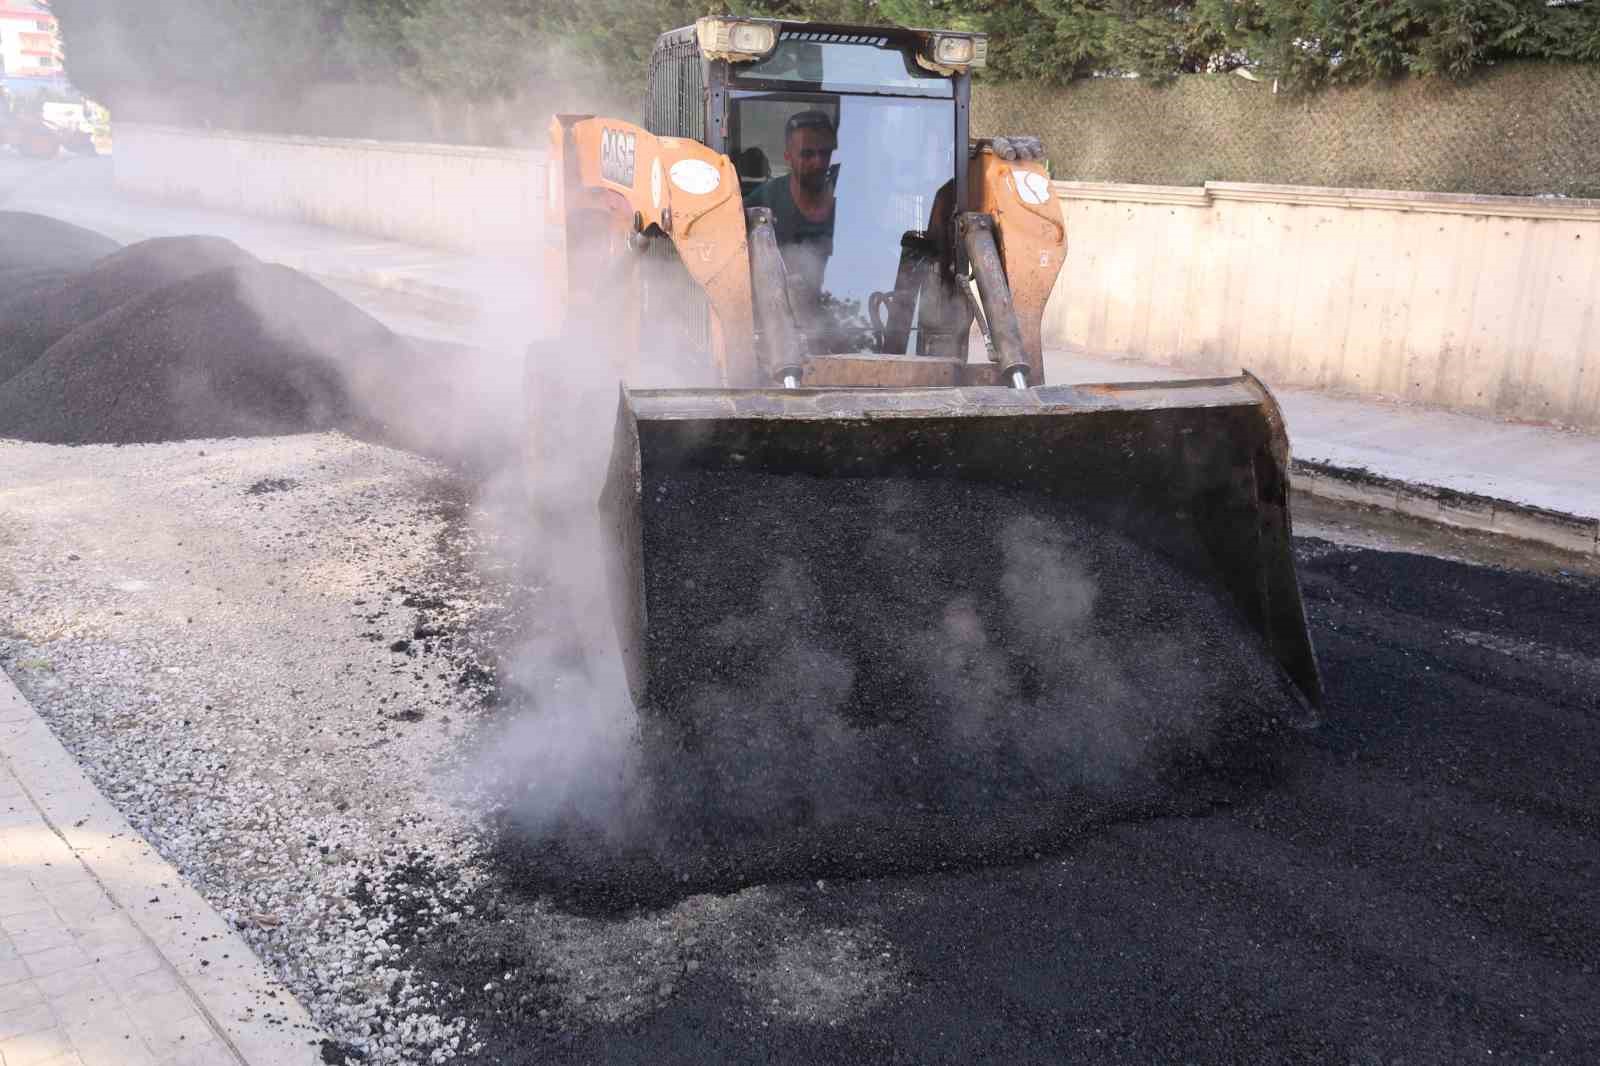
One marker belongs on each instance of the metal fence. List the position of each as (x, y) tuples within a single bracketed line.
[(1523, 129)]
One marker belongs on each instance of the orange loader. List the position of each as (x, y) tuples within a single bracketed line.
[(803, 229)]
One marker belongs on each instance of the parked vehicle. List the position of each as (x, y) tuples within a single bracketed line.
[(37, 139)]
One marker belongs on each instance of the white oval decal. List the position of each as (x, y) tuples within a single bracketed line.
[(695, 176), (655, 183), (1033, 188)]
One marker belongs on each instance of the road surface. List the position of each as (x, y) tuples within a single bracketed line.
[(1423, 885)]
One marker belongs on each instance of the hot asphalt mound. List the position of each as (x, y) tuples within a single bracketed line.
[(248, 350), (37, 242), (853, 677), (30, 325)]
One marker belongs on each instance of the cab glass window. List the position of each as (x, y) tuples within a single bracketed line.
[(850, 229)]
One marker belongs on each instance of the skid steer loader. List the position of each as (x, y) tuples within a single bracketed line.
[(803, 229)]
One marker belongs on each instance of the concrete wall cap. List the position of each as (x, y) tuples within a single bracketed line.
[(530, 155), (1535, 207)]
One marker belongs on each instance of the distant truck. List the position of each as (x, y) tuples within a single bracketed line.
[(39, 138)]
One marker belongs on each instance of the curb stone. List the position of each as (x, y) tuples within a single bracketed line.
[(255, 1015), (1448, 507)]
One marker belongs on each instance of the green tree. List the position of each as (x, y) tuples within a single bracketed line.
[(485, 49), (178, 47), (1359, 40)]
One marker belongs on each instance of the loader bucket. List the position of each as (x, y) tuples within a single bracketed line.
[(880, 555)]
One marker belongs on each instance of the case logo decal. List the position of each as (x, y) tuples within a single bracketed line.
[(616, 156)]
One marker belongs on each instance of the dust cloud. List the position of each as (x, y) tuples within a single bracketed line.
[(283, 67)]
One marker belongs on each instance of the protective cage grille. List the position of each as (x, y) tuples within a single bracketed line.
[(675, 104), (674, 305), (821, 37)]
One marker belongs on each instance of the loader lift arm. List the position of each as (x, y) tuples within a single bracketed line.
[(613, 186)]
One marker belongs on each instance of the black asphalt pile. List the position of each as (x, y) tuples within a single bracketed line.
[(30, 242), (18, 286), (246, 350), (857, 676), (37, 254), (28, 327)]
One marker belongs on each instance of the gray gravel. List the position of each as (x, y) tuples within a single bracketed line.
[(211, 628)]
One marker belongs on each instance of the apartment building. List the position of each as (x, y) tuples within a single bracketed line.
[(30, 47)]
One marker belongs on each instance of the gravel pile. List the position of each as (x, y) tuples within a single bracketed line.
[(19, 286), (190, 337), (28, 327), (261, 651)]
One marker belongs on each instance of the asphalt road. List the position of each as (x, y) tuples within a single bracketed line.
[(1422, 885)]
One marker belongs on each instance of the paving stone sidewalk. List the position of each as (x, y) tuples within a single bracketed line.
[(107, 958)]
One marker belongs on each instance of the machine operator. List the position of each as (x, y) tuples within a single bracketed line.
[(801, 201)]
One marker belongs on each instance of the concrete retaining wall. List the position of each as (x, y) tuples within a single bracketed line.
[(1487, 303), (482, 200)]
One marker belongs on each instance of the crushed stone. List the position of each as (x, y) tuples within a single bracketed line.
[(218, 662)]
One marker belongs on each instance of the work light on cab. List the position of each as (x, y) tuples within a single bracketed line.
[(736, 39), (962, 51)]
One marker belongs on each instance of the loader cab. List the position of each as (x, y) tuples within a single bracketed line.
[(874, 271)]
